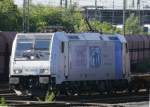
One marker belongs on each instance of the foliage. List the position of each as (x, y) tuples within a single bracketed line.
[(104, 27), (132, 26), (76, 23), (50, 96), (72, 20), (41, 16), (9, 16), (2, 102)]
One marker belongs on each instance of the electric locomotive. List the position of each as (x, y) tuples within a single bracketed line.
[(69, 63)]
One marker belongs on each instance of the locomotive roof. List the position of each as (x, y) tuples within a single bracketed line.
[(95, 36), (34, 35), (74, 36)]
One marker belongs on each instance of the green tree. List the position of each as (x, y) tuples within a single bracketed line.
[(73, 20), (10, 19), (104, 27), (132, 26), (41, 16), (2, 102)]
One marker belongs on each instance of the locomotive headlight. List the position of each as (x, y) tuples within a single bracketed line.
[(44, 80), (44, 71), (13, 80), (17, 71)]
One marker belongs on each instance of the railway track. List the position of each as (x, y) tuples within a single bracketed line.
[(111, 99), (13, 100)]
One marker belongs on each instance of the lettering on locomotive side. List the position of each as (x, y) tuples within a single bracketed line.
[(95, 56)]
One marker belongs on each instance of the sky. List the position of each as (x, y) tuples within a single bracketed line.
[(105, 3)]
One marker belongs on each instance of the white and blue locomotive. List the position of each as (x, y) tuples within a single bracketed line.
[(70, 63)]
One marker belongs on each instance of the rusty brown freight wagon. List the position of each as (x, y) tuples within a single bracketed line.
[(139, 48), (6, 39), (139, 52)]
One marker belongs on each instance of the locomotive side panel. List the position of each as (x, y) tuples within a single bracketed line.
[(91, 60)]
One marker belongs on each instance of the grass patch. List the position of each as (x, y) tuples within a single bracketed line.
[(50, 96), (2, 102)]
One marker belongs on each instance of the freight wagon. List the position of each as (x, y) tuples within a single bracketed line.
[(6, 39), (139, 52), (70, 63)]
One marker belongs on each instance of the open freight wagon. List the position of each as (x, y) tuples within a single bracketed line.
[(6, 39), (139, 53)]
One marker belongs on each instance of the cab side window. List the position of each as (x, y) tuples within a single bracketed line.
[(62, 47)]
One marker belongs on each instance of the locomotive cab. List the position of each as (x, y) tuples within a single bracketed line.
[(29, 64)]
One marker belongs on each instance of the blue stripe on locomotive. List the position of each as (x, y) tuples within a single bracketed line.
[(118, 59)]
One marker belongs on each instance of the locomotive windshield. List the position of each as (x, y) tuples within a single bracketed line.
[(42, 44), (32, 49)]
